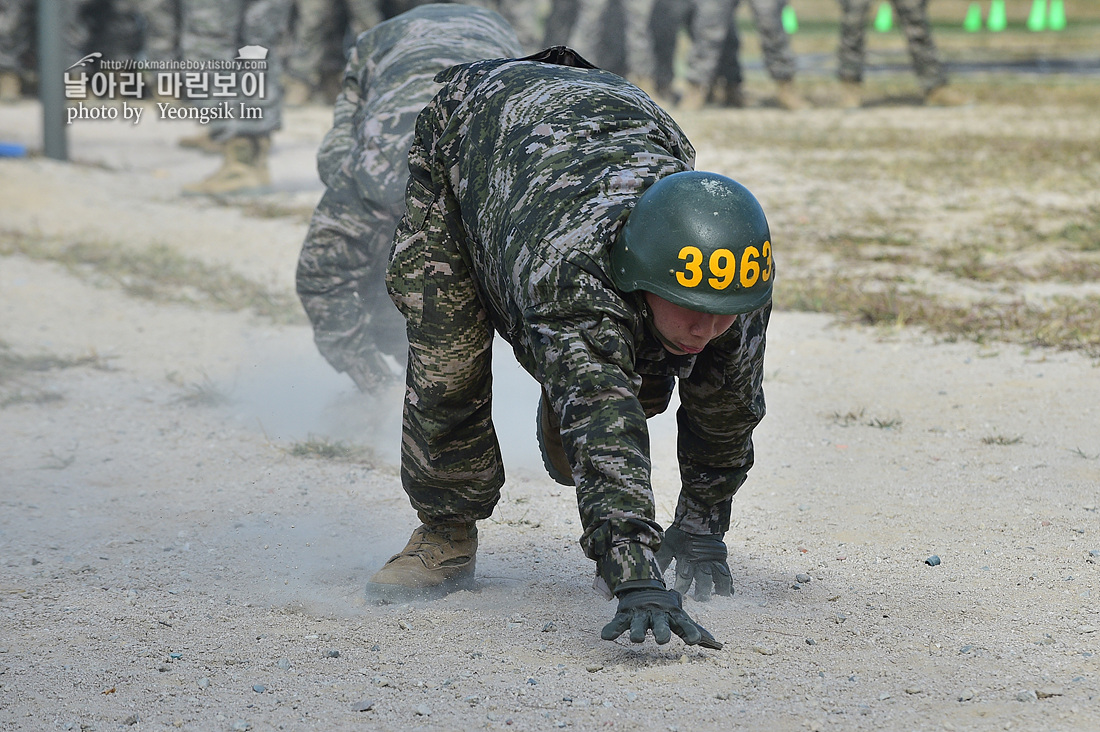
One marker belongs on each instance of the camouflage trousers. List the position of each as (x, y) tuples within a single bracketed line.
[(319, 35), (215, 29), (451, 464), (912, 17), (716, 43), (18, 24), (600, 44)]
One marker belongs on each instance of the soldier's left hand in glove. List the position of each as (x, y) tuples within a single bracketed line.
[(662, 612), (700, 559)]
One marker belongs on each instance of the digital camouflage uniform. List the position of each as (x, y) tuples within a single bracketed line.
[(215, 30), (716, 43), (363, 162), (523, 173), (912, 18)]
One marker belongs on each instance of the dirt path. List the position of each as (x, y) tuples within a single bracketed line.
[(173, 553)]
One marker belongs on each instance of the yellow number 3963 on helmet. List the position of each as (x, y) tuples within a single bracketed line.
[(699, 240)]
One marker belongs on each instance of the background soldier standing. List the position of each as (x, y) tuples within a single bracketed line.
[(363, 162), (913, 19), (215, 30), (523, 176)]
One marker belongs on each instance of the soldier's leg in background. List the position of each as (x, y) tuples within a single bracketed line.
[(560, 20), (776, 47), (162, 32), (665, 21), (451, 465), (726, 90), (590, 35), (16, 32), (640, 57), (851, 50), (526, 19), (708, 30), (304, 64), (913, 19)]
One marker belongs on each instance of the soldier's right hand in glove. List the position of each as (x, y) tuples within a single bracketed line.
[(660, 611), (700, 559)]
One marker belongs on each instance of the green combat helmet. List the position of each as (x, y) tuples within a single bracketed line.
[(699, 240)]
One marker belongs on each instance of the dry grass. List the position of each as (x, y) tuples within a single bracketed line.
[(325, 449), (158, 274)]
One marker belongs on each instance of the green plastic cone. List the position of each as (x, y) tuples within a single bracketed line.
[(997, 20), (973, 22), (790, 20), (1056, 21), (884, 20), (1037, 19)]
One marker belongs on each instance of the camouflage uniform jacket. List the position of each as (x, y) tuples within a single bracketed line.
[(538, 165)]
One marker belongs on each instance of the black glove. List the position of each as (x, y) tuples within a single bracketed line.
[(662, 612), (699, 558)]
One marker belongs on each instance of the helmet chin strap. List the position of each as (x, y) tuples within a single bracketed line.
[(647, 318)]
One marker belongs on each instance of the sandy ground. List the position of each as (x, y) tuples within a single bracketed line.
[(167, 562)]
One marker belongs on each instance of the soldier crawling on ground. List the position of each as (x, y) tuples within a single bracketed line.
[(555, 204)]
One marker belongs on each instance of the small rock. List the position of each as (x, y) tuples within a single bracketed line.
[(333, 653), (1047, 693), (532, 681), (802, 578), (241, 726), (631, 696), (932, 561), (593, 668), (259, 688), (763, 651), (811, 642), (723, 695), (1087, 629), (549, 627), (362, 706), (1027, 696), (422, 710), (968, 695), (283, 663), (204, 683), (131, 720), (403, 625), (471, 700), (914, 690)]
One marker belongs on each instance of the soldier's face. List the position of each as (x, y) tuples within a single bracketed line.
[(682, 331)]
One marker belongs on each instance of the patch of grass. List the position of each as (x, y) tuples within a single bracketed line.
[(1002, 440), (13, 365), (1065, 323), (322, 448), (30, 397), (204, 393), (849, 418), (159, 274), (885, 424)]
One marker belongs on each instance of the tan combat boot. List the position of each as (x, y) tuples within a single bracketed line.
[(693, 98), (727, 94), (788, 97), (296, 93), (244, 169), (851, 95), (202, 142), (550, 445), (439, 559), (11, 86)]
